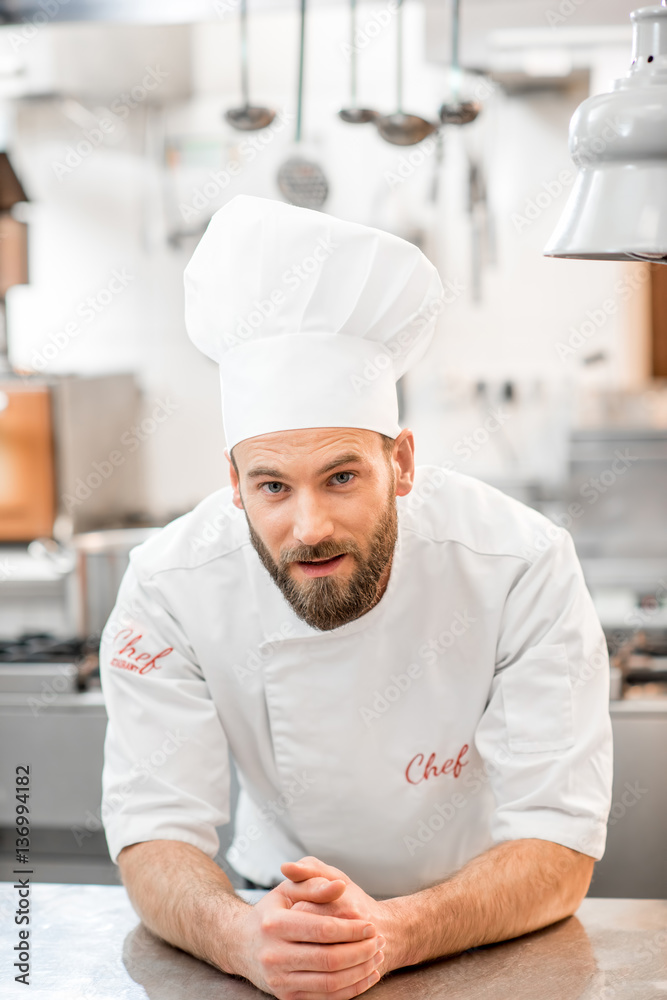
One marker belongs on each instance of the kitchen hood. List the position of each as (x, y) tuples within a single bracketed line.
[(126, 11), (119, 11)]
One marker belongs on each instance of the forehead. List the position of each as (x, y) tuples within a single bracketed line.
[(307, 448)]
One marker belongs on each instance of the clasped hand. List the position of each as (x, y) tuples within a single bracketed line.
[(317, 935)]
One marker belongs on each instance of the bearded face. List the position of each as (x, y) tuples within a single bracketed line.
[(320, 504), (325, 602)]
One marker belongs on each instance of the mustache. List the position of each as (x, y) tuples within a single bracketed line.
[(323, 550)]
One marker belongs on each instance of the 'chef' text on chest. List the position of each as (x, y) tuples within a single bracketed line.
[(421, 769)]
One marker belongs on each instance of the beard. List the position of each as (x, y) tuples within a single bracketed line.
[(326, 602)]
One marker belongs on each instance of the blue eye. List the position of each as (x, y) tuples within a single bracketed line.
[(268, 487), (345, 481)]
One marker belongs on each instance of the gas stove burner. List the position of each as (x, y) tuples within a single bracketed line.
[(40, 647)]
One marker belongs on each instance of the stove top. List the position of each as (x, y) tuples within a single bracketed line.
[(40, 647)]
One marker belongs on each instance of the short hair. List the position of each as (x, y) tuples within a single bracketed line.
[(387, 446), (387, 450)]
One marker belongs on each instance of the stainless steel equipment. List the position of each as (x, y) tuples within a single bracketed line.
[(248, 117), (456, 111), (616, 499), (102, 558), (38, 663), (354, 115), (398, 128), (609, 949), (635, 861), (302, 181)]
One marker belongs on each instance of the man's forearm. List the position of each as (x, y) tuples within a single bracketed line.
[(512, 889), (184, 898)]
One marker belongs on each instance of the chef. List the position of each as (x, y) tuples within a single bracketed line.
[(403, 662)]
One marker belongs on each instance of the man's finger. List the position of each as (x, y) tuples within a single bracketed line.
[(298, 871), (299, 957), (296, 925), (303, 992), (313, 890), (337, 908)]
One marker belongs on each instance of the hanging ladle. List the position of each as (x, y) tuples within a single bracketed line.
[(399, 128), (458, 112), (355, 115), (249, 117), (301, 180)]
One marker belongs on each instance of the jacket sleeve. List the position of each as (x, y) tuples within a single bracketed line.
[(545, 736), (166, 763)]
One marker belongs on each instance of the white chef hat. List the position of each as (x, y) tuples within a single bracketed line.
[(312, 319)]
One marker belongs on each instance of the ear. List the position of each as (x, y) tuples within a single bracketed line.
[(403, 459), (234, 480)]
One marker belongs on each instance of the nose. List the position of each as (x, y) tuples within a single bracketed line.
[(312, 523)]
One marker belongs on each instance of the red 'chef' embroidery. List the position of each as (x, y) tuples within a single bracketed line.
[(417, 771), (140, 663)]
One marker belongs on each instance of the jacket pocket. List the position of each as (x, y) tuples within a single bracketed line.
[(537, 698)]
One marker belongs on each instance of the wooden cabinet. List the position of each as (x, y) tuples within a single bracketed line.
[(27, 500), (659, 320)]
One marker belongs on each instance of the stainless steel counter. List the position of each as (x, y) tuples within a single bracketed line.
[(87, 944)]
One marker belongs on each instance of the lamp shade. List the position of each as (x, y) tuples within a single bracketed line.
[(617, 209)]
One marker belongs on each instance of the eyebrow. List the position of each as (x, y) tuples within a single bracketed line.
[(263, 471)]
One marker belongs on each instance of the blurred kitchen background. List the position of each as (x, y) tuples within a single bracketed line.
[(548, 377)]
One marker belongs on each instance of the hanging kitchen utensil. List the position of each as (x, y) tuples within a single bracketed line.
[(437, 168), (301, 181), (248, 117), (399, 128), (355, 115), (457, 112), (476, 211)]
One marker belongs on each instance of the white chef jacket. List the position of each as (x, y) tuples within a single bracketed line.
[(468, 707)]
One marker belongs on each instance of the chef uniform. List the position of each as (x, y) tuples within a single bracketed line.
[(469, 706)]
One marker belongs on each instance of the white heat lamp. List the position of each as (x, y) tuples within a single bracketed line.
[(617, 209)]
